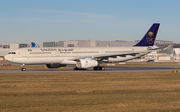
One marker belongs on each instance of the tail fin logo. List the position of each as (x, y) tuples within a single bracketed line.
[(150, 38)]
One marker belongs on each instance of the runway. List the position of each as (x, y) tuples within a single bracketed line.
[(108, 69)]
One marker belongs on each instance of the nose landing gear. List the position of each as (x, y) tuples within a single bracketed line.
[(23, 68)]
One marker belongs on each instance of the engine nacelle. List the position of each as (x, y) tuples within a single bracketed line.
[(86, 63), (54, 65)]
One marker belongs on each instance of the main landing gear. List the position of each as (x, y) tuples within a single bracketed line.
[(23, 68), (95, 68), (99, 68)]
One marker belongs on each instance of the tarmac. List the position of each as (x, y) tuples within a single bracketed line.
[(132, 69), (107, 69)]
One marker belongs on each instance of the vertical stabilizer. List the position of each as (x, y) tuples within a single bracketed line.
[(150, 36), (33, 44)]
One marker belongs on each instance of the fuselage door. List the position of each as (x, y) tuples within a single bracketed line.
[(24, 53), (57, 53), (102, 51)]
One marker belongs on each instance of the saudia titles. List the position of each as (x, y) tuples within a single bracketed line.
[(53, 49), (150, 38)]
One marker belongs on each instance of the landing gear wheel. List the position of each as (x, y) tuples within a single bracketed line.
[(23, 69), (103, 68), (99, 68), (95, 68)]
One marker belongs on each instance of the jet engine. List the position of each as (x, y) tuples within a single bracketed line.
[(54, 65), (86, 63)]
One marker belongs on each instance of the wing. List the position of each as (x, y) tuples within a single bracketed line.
[(105, 56), (123, 54)]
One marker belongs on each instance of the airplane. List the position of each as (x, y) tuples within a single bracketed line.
[(83, 57), (33, 44)]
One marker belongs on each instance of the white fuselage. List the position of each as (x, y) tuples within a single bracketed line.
[(64, 55)]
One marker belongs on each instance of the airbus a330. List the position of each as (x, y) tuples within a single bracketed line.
[(83, 57)]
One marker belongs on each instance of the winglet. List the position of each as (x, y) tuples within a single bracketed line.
[(150, 36)]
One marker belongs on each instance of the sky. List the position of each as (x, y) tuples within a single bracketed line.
[(25, 21)]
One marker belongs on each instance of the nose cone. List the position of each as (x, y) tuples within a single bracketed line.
[(8, 58)]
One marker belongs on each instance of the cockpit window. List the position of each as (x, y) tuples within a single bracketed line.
[(12, 53)]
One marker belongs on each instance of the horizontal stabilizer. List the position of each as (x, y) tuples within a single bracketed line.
[(168, 47)]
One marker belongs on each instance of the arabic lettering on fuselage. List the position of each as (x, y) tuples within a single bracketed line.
[(53, 49)]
